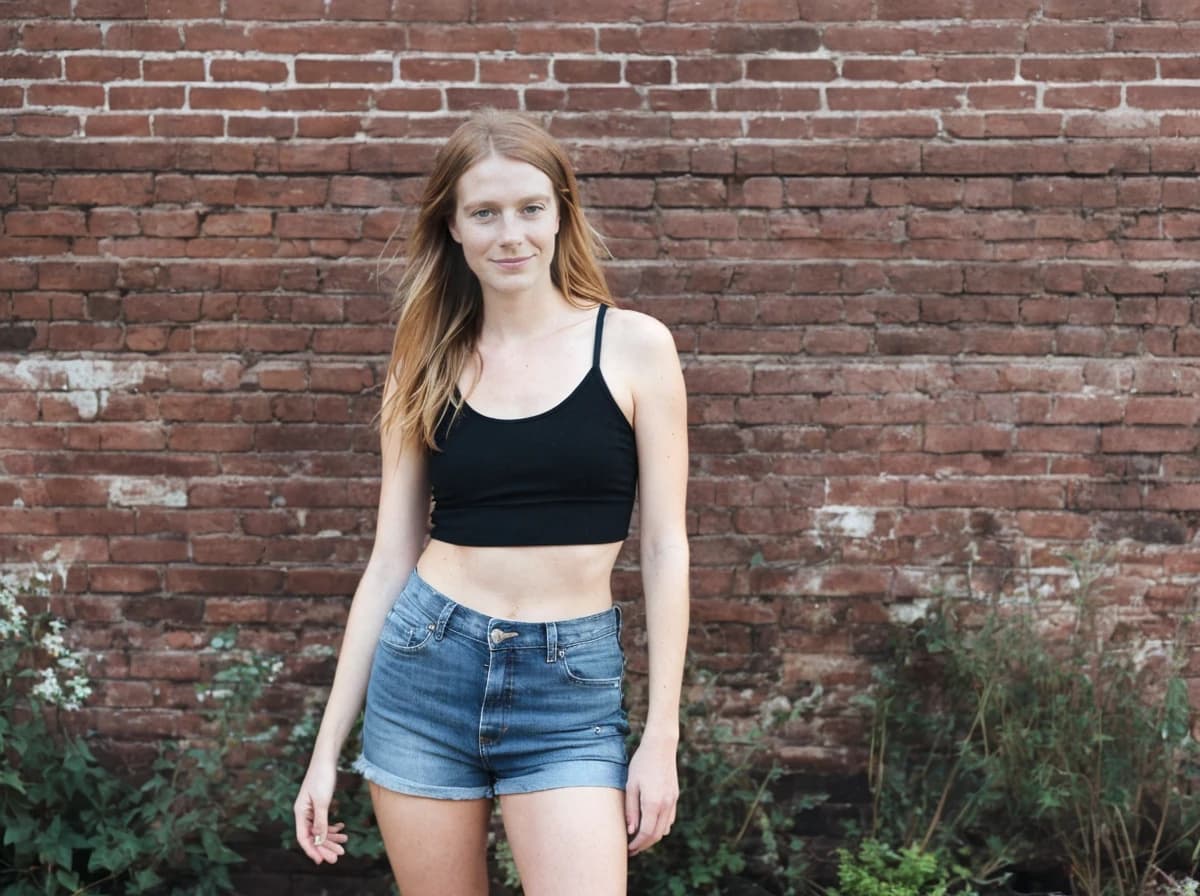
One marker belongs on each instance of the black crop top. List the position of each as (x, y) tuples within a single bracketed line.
[(565, 476)]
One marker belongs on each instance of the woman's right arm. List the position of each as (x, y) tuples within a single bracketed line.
[(400, 532)]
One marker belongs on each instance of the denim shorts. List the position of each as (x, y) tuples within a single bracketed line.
[(464, 706)]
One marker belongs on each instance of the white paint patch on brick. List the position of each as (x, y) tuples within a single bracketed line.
[(846, 521), (329, 533), (908, 613), (85, 382), (88, 405), (133, 491)]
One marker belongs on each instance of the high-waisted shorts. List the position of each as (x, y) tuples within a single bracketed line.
[(464, 706)]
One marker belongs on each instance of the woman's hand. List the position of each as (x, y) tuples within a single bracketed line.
[(321, 841), (651, 792)]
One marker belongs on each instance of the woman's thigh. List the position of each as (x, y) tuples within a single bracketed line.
[(568, 840), (435, 847)]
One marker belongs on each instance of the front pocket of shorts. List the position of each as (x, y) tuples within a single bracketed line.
[(405, 631), (598, 663)]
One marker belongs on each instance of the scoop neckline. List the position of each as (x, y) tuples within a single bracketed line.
[(550, 410)]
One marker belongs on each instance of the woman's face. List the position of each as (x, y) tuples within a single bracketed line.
[(506, 220)]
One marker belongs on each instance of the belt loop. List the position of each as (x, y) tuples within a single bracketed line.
[(444, 619), (551, 642), (617, 607)]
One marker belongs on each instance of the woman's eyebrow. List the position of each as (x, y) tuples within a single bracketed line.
[(524, 200)]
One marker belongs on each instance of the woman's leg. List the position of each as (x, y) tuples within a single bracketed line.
[(568, 840), (435, 847)]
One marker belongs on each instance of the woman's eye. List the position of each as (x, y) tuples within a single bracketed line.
[(533, 209), (482, 213)]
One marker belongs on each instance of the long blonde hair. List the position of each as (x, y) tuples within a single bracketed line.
[(438, 304)]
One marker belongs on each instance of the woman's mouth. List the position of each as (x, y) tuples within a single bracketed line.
[(512, 264)]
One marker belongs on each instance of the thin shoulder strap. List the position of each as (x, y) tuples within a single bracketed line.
[(599, 333)]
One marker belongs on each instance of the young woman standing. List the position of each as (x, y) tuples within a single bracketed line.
[(484, 637)]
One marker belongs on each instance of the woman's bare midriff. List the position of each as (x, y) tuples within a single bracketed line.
[(527, 584)]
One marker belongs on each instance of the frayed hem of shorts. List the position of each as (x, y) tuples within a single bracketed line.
[(613, 776), (395, 783)]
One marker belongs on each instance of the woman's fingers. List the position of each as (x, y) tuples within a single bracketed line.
[(321, 841), (657, 816), (331, 846)]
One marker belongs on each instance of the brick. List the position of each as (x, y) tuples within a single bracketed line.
[(288, 226), (1162, 411), (110, 9), (117, 126), (60, 35), (587, 71), (346, 71), (123, 580), (531, 10), (1121, 70), (433, 69), (1149, 440), (267, 70), (166, 125), (179, 69), (47, 223), (238, 224), (281, 191), (227, 98), (146, 97), (1087, 9), (276, 126), (139, 36), (183, 9), (432, 10), (285, 10), (648, 71), (28, 66)]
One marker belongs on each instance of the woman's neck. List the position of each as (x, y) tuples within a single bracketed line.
[(518, 317)]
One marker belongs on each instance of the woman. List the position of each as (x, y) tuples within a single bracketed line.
[(530, 410)]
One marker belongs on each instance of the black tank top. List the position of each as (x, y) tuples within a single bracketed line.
[(565, 476)]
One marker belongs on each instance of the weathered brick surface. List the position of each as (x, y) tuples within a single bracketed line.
[(932, 267)]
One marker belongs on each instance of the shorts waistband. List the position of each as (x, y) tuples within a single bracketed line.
[(446, 614)]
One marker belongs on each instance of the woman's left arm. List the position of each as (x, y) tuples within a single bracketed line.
[(660, 426)]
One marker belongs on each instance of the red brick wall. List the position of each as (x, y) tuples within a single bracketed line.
[(931, 265)]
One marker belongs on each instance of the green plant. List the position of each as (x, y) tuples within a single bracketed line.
[(879, 870), (1170, 886), (1016, 744), (72, 826), (729, 825)]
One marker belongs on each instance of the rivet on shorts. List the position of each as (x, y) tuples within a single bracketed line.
[(431, 626), (597, 729), (562, 654)]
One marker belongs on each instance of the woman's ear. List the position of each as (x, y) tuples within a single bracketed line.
[(453, 228)]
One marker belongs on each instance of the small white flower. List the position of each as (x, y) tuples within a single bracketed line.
[(53, 644), (80, 691), (48, 688), (16, 616)]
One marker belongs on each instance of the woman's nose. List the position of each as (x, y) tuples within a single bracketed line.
[(510, 229)]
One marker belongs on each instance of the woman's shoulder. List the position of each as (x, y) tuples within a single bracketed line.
[(634, 333)]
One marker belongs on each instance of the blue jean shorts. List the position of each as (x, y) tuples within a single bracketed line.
[(464, 706)]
